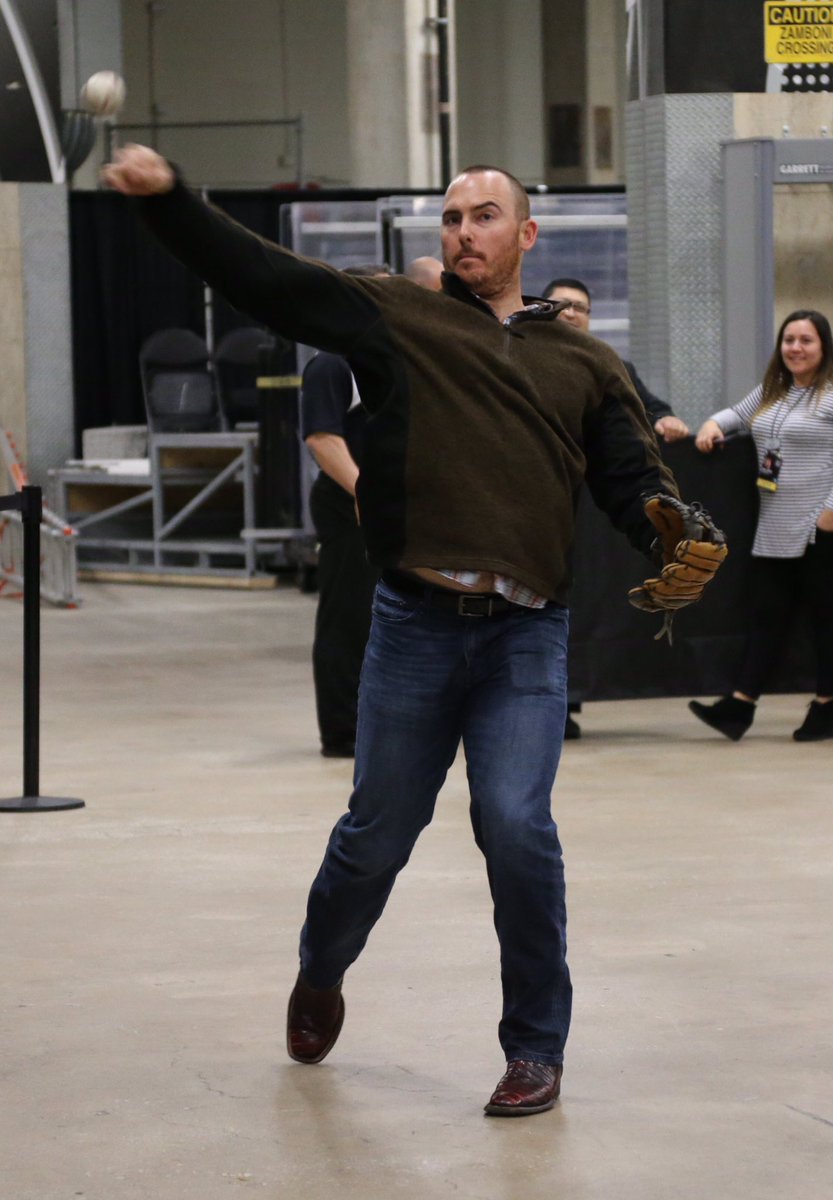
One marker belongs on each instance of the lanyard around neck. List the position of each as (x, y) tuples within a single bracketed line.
[(778, 425)]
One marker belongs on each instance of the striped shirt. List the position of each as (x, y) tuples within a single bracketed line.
[(800, 427), (487, 581)]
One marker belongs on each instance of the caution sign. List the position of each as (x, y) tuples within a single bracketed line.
[(798, 33)]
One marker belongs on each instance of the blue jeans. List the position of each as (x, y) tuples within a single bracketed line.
[(430, 679)]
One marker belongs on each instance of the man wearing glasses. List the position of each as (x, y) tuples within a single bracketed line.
[(576, 296)]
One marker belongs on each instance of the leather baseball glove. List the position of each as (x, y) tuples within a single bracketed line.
[(689, 548)]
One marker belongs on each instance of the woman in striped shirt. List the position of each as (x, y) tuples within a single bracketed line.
[(790, 417)]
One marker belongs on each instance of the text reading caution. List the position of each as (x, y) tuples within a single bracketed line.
[(798, 33)]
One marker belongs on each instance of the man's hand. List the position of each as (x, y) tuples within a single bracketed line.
[(671, 428), (825, 520), (139, 171), (709, 436)]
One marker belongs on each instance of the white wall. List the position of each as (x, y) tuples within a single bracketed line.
[(254, 59), (392, 74), (226, 60), (606, 84)]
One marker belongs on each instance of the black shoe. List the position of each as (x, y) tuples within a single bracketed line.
[(339, 750), (313, 1021), (818, 724), (526, 1088), (572, 729), (729, 716)]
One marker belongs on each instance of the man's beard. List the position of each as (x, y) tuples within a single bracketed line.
[(491, 280)]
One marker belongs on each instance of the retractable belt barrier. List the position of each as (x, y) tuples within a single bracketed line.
[(29, 503), (58, 568)]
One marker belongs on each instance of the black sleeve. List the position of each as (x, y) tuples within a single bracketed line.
[(326, 395), (302, 299), (623, 463), (654, 407)]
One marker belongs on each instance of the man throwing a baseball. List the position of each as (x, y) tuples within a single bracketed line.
[(486, 414)]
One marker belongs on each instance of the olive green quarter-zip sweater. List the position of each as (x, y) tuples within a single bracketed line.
[(480, 431)]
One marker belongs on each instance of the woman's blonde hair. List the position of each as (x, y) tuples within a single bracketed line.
[(778, 378)]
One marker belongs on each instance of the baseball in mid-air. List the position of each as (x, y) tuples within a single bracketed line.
[(103, 94)]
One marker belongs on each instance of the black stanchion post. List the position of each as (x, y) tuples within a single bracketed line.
[(32, 515), (29, 502)]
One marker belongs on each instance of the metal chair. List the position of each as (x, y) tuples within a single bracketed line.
[(237, 361), (178, 383)]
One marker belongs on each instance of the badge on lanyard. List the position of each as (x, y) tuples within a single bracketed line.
[(769, 470)]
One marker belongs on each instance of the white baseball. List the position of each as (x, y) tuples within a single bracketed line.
[(103, 93)]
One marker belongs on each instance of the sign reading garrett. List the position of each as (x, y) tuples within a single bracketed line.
[(798, 33)]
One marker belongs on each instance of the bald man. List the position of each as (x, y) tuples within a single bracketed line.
[(486, 415), (427, 272)]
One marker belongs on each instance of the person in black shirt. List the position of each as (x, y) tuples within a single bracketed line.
[(332, 425), (666, 425), (575, 295)]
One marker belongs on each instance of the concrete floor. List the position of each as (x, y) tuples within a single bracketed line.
[(149, 943)]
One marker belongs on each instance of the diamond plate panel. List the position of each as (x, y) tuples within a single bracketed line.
[(675, 222)]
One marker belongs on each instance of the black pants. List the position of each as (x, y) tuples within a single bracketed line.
[(778, 586), (342, 623)]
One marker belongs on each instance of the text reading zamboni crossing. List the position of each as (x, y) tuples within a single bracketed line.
[(798, 33)]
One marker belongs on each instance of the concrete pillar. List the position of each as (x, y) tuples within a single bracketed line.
[(392, 72), (564, 39), (584, 89), (36, 399), (606, 80), (500, 86)]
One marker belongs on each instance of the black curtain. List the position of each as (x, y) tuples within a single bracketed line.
[(613, 654), (124, 288), (714, 46)]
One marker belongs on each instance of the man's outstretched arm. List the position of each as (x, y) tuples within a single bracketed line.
[(304, 300)]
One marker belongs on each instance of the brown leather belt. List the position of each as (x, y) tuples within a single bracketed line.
[(463, 604)]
